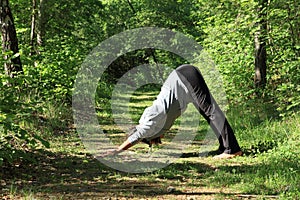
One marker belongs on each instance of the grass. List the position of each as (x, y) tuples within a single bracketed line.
[(268, 170)]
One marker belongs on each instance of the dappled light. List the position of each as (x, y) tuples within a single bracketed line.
[(77, 75)]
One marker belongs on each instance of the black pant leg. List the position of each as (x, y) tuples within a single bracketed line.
[(208, 107)]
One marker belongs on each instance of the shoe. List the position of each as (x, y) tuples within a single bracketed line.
[(228, 156)]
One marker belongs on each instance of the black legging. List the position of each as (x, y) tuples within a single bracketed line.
[(208, 108)]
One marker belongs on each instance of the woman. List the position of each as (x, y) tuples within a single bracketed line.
[(183, 86)]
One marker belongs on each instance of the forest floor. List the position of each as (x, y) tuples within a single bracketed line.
[(67, 171), (269, 168)]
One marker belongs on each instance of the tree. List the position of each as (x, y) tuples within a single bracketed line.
[(9, 41), (260, 77), (37, 25), (40, 23), (33, 22)]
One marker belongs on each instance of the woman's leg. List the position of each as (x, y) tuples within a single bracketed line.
[(208, 108)]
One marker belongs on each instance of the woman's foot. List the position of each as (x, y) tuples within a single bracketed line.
[(228, 156)]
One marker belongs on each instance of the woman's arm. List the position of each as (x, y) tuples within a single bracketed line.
[(124, 146)]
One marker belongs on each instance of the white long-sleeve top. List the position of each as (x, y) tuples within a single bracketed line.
[(170, 104)]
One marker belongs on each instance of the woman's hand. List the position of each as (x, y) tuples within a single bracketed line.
[(111, 152), (126, 145)]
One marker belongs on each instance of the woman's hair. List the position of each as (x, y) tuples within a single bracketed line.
[(150, 142)]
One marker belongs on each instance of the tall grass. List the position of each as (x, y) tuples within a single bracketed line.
[(269, 167)]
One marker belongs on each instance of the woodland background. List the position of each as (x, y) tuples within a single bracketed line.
[(255, 44)]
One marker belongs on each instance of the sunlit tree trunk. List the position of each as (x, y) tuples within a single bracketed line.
[(33, 25), (9, 40), (260, 77), (37, 25), (41, 23)]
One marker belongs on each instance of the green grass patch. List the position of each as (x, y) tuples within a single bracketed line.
[(269, 169)]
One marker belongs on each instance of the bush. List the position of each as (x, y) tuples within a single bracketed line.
[(15, 138)]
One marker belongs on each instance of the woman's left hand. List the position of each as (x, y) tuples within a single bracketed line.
[(110, 152)]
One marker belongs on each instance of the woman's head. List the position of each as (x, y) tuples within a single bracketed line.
[(150, 142)]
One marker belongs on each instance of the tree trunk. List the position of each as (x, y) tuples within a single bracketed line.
[(131, 6), (33, 25), (41, 23), (9, 41), (260, 77)]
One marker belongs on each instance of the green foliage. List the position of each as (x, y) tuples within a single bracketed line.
[(39, 101), (230, 42), (283, 54), (15, 138), (225, 28), (260, 175), (230, 30)]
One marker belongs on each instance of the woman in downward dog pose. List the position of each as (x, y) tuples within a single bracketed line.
[(184, 85)]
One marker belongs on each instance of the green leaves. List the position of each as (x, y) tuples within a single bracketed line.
[(230, 29), (15, 112), (225, 29)]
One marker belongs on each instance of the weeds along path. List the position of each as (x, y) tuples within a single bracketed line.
[(66, 171)]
